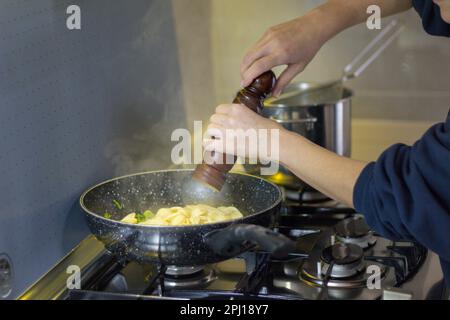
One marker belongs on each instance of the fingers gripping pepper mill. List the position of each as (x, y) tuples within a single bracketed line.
[(253, 96)]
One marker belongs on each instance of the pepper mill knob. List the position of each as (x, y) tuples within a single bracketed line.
[(253, 96)]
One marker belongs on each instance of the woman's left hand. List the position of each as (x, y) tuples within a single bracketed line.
[(224, 133)]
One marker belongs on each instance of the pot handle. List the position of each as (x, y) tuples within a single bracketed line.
[(234, 239)]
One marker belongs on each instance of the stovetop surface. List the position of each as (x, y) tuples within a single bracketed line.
[(345, 261)]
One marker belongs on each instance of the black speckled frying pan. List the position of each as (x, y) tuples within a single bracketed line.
[(258, 199)]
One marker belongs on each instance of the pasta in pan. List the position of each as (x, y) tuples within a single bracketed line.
[(183, 216)]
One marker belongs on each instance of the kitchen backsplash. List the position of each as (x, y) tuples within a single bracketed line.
[(78, 107)]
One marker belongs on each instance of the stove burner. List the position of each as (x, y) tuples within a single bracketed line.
[(342, 276), (355, 231), (347, 263), (346, 260), (342, 254), (188, 277), (183, 271)]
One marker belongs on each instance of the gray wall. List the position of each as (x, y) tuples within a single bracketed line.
[(78, 107)]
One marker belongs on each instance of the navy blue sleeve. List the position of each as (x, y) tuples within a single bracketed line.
[(405, 195), (431, 18)]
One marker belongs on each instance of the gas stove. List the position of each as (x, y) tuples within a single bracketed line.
[(337, 256)]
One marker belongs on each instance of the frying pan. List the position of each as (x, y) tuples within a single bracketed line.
[(196, 245)]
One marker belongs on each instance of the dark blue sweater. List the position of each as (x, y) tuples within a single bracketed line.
[(431, 18), (405, 195)]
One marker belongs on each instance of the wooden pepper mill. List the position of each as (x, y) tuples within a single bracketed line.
[(253, 96)]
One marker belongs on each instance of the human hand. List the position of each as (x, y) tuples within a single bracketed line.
[(294, 44), (235, 129)]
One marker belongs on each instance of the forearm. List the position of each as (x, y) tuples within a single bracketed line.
[(338, 15), (323, 170)]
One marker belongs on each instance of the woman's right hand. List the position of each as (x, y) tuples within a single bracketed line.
[(294, 43)]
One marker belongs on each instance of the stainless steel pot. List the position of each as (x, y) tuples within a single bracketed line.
[(323, 121), (323, 117)]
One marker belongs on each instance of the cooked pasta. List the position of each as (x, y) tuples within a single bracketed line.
[(183, 216)]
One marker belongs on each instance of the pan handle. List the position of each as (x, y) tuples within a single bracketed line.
[(234, 239)]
